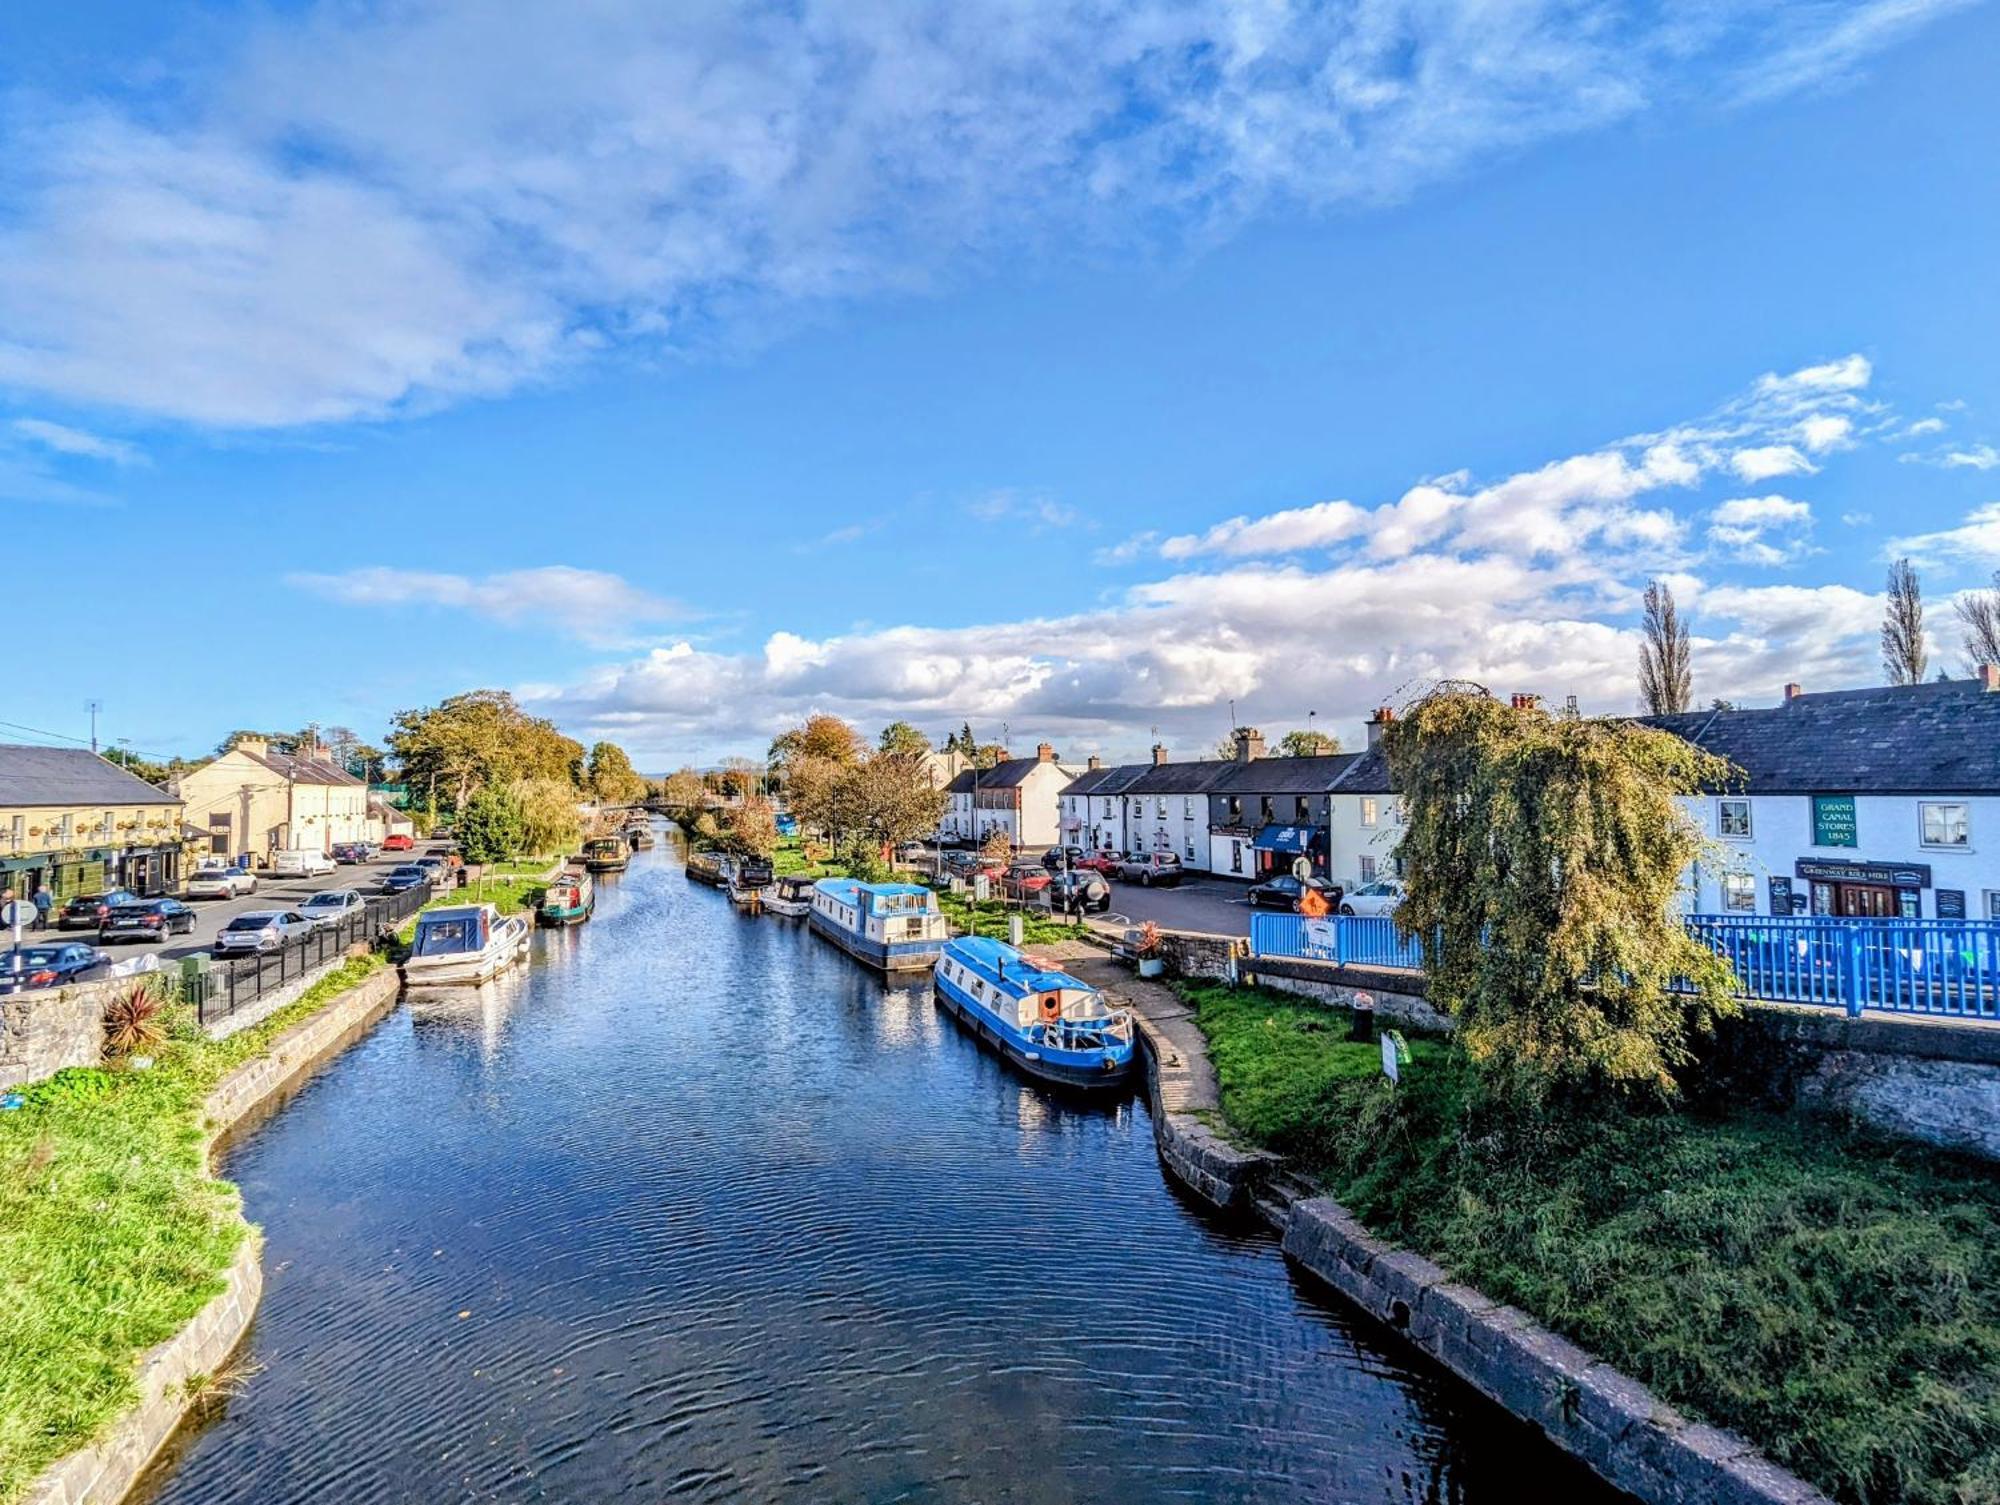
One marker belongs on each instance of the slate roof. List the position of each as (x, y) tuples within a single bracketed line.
[(1000, 776), (1367, 774), (1178, 778), (1942, 737), (1104, 781), (301, 770), (1283, 775), (38, 776)]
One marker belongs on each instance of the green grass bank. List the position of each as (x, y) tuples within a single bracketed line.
[(1832, 1295)]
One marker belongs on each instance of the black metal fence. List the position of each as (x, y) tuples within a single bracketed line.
[(234, 983)]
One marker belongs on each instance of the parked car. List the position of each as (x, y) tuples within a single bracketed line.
[(1151, 868), (969, 865), (49, 966), (221, 883), (348, 853), (260, 930), (146, 920), (1378, 898), (437, 868), (1284, 892), (403, 878), (89, 911), (331, 905), (1091, 893), (300, 863), (1055, 859), (1026, 880), (399, 843), (1104, 864)]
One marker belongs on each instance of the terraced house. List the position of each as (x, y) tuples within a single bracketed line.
[(256, 800), (74, 823)]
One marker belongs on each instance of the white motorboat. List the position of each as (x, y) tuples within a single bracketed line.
[(465, 944)]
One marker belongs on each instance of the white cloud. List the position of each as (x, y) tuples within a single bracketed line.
[(1767, 530), (1286, 532), (599, 608), (1032, 509), (1977, 457), (359, 210), (1856, 519), (1978, 537), (64, 440), (1924, 426), (1763, 462), (1826, 431)]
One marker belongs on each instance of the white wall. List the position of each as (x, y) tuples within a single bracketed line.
[(1182, 829), (1349, 838)]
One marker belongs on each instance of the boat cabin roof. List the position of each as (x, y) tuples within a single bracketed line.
[(988, 956), (854, 891), (446, 932)]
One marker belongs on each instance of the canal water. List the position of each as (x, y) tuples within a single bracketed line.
[(696, 1208)]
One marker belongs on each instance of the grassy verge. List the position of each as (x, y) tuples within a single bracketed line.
[(112, 1232), (1038, 926), (790, 860), (1833, 1295)]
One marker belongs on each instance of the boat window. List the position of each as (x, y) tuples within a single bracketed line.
[(447, 937)]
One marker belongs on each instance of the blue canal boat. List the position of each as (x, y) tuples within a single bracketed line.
[(1050, 1024), (895, 927)]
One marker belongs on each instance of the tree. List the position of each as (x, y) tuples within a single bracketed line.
[(818, 736), (751, 829), (612, 778), (550, 822), (1979, 614), (1302, 745), (132, 763), (901, 737), (488, 827), (479, 739), (998, 846), (740, 776), (1903, 653), (1666, 667), (1544, 857), (683, 790)]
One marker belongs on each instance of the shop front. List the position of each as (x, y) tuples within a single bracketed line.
[(1278, 847), (1865, 890), (150, 871)]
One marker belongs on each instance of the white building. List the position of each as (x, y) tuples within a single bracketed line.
[(1020, 797)]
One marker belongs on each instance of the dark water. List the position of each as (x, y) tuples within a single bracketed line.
[(696, 1207)]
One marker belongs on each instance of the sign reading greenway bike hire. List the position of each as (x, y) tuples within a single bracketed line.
[(1833, 821)]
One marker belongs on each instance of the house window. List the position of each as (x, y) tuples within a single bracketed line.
[(1993, 903), (1370, 812), (1235, 810), (1187, 808), (1305, 811), (1107, 807), (1732, 818), (1266, 811), (1944, 825), (1739, 892), (1160, 807), (1190, 854), (1367, 869)]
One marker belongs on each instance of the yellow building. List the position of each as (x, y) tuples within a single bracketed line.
[(74, 823), (257, 801)]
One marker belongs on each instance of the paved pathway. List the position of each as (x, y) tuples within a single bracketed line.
[(1187, 1078)]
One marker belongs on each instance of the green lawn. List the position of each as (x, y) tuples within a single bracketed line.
[(790, 860), (112, 1232), (1830, 1294), (1038, 926)]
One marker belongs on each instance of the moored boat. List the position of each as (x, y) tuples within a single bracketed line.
[(606, 854), (892, 926), (791, 897), (639, 836), (568, 900), (1049, 1024), (464, 944), (712, 868), (750, 883)]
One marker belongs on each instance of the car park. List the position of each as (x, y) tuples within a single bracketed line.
[(146, 920), (300, 863), (332, 905), (48, 966), (221, 883), (1378, 898), (260, 930), (1286, 892), (1150, 869), (399, 843), (1080, 888), (89, 911), (402, 879)]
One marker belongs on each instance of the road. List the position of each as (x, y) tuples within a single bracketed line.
[(1214, 906)]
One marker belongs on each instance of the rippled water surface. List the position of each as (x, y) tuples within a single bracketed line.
[(696, 1207)]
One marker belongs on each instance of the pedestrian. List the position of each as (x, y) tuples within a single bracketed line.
[(45, 900)]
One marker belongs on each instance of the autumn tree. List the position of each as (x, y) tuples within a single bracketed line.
[(1979, 614), (819, 736), (1666, 661), (1904, 656), (683, 790), (611, 776), (751, 829), (1303, 745), (1544, 858), (479, 739), (740, 777)]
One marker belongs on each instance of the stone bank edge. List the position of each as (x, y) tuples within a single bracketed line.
[(109, 1468), (1611, 1422)]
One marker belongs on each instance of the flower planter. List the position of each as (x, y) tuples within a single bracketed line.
[(1151, 966)]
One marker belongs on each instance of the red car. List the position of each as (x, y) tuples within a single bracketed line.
[(1025, 880), (398, 844), (1104, 864)]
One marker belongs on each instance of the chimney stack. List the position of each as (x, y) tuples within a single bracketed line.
[(1793, 692), (1989, 678), (1044, 753), (1249, 744), (1159, 755), (255, 746), (1379, 723), (1093, 762)]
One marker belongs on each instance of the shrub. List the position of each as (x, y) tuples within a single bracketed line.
[(132, 1021)]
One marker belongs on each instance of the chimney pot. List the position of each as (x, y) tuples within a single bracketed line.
[(1093, 763), (255, 746), (1989, 678), (1044, 753), (1524, 702), (1159, 754), (1793, 692), (1379, 723)]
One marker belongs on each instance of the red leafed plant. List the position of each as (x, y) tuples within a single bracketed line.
[(132, 1021)]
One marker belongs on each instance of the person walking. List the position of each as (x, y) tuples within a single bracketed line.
[(45, 900)]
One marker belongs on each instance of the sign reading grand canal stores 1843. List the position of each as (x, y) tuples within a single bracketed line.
[(1833, 821)]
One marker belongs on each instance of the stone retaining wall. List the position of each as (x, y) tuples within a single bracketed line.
[(42, 1032), (1397, 996), (1195, 1155), (107, 1470), (1188, 954), (1610, 1421)]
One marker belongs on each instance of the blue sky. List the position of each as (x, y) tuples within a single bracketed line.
[(1079, 374)]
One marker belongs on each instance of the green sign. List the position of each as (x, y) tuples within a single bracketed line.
[(1833, 821)]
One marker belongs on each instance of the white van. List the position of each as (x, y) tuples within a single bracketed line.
[(300, 864)]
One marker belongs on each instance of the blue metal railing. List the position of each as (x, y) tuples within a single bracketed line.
[(1948, 968)]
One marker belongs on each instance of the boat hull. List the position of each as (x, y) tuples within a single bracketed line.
[(884, 956), (605, 865), (790, 909), (555, 919), (1083, 1070), (700, 872)]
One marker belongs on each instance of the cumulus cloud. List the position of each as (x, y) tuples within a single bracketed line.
[(1977, 538), (1763, 462), (359, 210), (598, 608), (1761, 529), (1284, 532)]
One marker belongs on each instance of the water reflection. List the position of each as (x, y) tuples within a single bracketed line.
[(694, 1206)]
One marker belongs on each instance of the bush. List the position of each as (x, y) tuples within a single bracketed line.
[(132, 1021)]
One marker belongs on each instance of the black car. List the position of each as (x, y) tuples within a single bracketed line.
[(1090, 892), (1055, 859), (1285, 893), (89, 911), (147, 920), (48, 966)]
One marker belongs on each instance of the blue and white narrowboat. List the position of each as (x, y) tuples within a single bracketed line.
[(1050, 1024), (893, 926)]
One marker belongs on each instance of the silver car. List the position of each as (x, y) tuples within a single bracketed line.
[(331, 905), (1378, 898), (260, 930)]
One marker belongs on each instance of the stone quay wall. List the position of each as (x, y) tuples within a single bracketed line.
[(171, 1375), (44, 1031)]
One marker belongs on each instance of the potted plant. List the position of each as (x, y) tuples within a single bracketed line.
[(1147, 950)]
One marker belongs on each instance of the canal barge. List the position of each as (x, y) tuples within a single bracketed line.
[(464, 946), (606, 854), (1051, 1025), (711, 868), (640, 837), (569, 900), (790, 897), (750, 883), (894, 927)]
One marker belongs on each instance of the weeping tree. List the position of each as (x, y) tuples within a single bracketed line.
[(1543, 856)]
